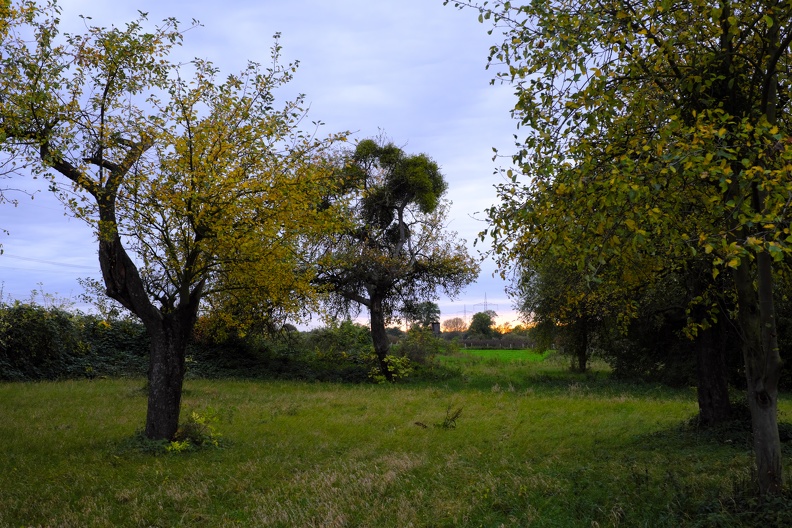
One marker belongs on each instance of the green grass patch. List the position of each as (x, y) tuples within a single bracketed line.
[(527, 447), (507, 354)]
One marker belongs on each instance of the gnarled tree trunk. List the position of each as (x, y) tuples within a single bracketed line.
[(169, 333)]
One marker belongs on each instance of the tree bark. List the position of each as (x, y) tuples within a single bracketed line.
[(379, 336), (581, 343), (758, 320), (168, 332), (165, 378), (169, 327), (712, 384), (762, 368)]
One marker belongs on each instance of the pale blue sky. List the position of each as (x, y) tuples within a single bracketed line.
[(414, 69)]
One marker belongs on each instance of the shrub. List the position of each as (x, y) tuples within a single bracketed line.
[(339, 352), (342, 352), (421, 346), (118, 347), (197, 431), (399, 367), (36, 342), (50, 343), (351, 338)]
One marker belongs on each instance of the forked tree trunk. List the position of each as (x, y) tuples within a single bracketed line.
[(168, 328), (168, 332)]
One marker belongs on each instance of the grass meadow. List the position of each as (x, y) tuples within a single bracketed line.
[(505, 442), (515, 354)]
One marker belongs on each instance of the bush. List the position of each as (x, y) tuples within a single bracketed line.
[(351, 338), (118, 347), (341, 352), (421, 346), (655, 349), (399, 367), (38, 343), (217, 352), (197, 431)]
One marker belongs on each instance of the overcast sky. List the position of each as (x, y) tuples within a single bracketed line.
[(414, 69)]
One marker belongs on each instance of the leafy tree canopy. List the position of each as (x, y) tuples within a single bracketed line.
[(483, 324), (455, 324), (422, 314)]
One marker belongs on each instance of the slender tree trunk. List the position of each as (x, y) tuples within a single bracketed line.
[(379, 336), (758, 321), (582, 344), (712, 385), (762, 368)]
